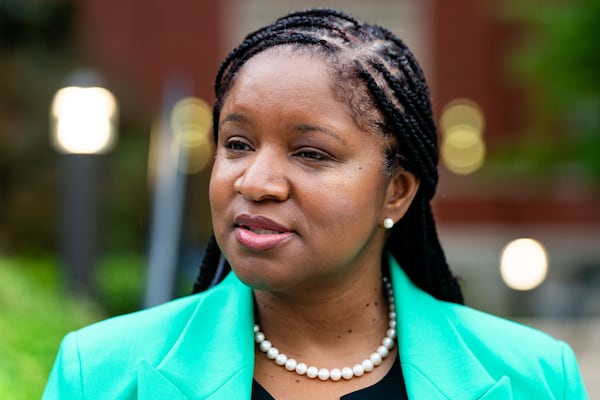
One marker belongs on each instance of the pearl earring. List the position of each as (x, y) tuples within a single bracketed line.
[(388, 223)]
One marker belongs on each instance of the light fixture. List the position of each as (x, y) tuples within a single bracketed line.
[(523, 264), (84, 120)]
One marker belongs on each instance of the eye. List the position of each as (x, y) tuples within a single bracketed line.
[(312, 155), (237, 145)]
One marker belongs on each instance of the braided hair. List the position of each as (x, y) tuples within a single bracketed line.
[(376, 74)]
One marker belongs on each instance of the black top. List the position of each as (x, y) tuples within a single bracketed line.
[(391, 386)]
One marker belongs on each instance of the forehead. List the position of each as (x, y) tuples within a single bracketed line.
[(284, 80), (284, 68)]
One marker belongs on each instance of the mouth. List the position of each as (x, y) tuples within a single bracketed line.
[(260, 233), (259, 224)]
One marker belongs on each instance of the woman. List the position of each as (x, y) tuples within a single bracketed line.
[(325, 167)]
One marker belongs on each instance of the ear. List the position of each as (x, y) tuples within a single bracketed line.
[(401, 190)]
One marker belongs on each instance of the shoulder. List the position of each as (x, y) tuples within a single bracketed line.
[(107, 357), (111, 350), (127, 330), (498, 335), (104, 357), (159, 326), (499, 344), (508, 348), (474, 322)]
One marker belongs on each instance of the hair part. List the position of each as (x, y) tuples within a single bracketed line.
[(378, 77)]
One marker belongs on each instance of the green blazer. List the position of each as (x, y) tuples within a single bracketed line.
[(202, 347)]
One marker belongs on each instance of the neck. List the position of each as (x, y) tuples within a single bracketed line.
[(327, 328)]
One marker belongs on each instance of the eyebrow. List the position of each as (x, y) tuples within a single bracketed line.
[(235, 117), (242, 119), (313, 128)]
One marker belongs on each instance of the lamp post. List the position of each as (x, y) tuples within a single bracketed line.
[(83, 126)]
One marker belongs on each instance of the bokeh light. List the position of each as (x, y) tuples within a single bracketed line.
[(524, 264), (462, 111), (83, 120), (463, 148), (191, 121)]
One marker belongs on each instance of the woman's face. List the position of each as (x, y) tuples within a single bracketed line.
[(297, 191)]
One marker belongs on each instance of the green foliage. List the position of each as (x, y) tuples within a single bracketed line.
[(125, 211), (120, 281), (559, 60), (35, 314), (562, 57)]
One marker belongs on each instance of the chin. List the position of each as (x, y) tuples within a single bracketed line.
[(252, 278), (258, 280)]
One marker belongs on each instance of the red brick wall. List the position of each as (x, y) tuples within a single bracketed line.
[(139, 43)]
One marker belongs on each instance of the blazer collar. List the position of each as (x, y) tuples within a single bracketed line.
[(217, 346), (436, 362), (213, 358)]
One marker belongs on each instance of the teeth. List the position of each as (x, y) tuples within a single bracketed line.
[(262, 231)]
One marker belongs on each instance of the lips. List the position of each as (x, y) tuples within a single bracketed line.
[(260, 233)]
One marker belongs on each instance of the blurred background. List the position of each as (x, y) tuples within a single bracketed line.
[(105, 156)]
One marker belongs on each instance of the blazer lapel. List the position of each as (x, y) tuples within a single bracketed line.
[(213, 358), (420, 387), (152, 385), (500, 391), (437, 363)]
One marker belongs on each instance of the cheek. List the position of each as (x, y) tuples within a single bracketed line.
[(213, 195), (219, 187), (351, 197), (219, 193)]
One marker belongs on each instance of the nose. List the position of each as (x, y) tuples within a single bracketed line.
[(263, 179)]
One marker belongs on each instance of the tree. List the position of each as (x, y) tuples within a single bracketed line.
[(559, 60)]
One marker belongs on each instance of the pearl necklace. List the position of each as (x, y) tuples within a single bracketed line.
[(335, 374)]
